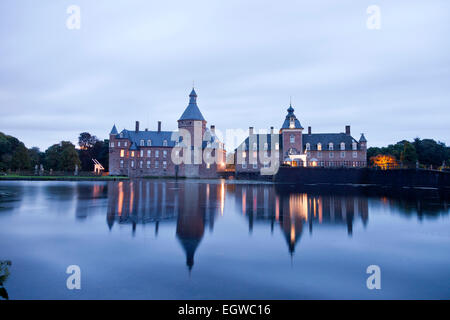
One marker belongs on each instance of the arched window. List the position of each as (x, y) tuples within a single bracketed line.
[(141, 143), (308, 146), (331, 146), (149, 143), (342, 146), (319, 146), (292, 138), (165, 143)]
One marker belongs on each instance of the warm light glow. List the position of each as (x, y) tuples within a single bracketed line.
[(120, 200), (384, 162), (244, 201), (222, 197), (277, 208)]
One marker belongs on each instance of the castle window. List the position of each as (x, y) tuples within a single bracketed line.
[(125, 143), (156, 164), (292, 138), (330, 146), (141, 143), (112, 144), (132, 163), (308, 146), (132, 154), (122, 153), (118, 143), (342, 154), (149, 143), (319, 146), (355, 154), (331, 155), (319, 154), (121, 135), (165, 143), (121, 163), (277, 146), (164, 153), (149, 153), (165, 164), (244, 154), (292, 123), (148, 164), (244, 165), (141, 163), (354, 145), (142, 153), (157, 153), (342, 146), (208, 166)]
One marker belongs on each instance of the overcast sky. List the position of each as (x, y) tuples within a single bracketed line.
[(136, 60)]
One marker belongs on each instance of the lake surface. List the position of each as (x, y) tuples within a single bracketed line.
[(195, 239)]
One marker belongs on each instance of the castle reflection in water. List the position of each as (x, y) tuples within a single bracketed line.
[(195, 206)]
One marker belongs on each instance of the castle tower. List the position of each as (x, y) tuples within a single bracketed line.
[(291, 135)]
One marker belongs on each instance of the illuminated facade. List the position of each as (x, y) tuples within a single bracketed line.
[(137, 153)]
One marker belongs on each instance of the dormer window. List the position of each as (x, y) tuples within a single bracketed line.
[(141, 143), (342, 146), (308, 146), (149, 143), (292, 123), (354, 145), (331, 146), (319, 146), (165, 143), (121, 135)]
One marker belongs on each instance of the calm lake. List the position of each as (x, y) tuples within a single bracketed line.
[(216, 239)]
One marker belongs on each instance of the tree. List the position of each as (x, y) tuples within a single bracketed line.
[(13, 154), (20, 159), (408, 156), (62, 157), (86, 140), (36, 156)]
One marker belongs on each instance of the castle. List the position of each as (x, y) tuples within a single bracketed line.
[(294, 148), (137, 153)]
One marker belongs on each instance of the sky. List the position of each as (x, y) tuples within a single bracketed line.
[(136, 60)]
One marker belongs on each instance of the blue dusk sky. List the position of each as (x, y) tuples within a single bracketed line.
[(136, 60)]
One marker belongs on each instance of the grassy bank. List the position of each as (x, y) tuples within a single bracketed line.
[(61, 178)]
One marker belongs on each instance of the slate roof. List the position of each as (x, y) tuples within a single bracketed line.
[(362, 139), (114, 130), (287, 121), (326, 138), (192, 111), (260, 139), (156, 137)]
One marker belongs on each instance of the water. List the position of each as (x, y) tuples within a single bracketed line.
[(194, 239)]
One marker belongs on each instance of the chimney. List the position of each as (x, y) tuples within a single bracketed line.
[(309, 130), (159, 126), (137, 126), (271, 130), (250, 131), (146, 129), (347, 130), (213, 128)]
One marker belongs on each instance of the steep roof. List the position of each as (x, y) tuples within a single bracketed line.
[(192, 112), (259, 139), (362, 139), (114, 130), (326, 138), (157, 137), (289, 116)]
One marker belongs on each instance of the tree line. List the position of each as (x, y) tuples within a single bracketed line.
[(425, 153), (62, 156)]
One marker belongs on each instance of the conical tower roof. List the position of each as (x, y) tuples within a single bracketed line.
[(192, 111)]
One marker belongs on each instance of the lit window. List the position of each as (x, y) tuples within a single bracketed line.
[(208, 166), (165, 164), (342, 154), (319, 146), (292, 123), (308, 146), (156, 164), (122, 153), (142, 153), (148, 164), (132, 154), (277, 146), (112, 144), (149, 143), (121, 163), (342, 146), (157, 153), (164, 153), (255, 154), (165, 143), (149, 153), (244, 154), (141, 143), (292, 138), (330, 146)]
